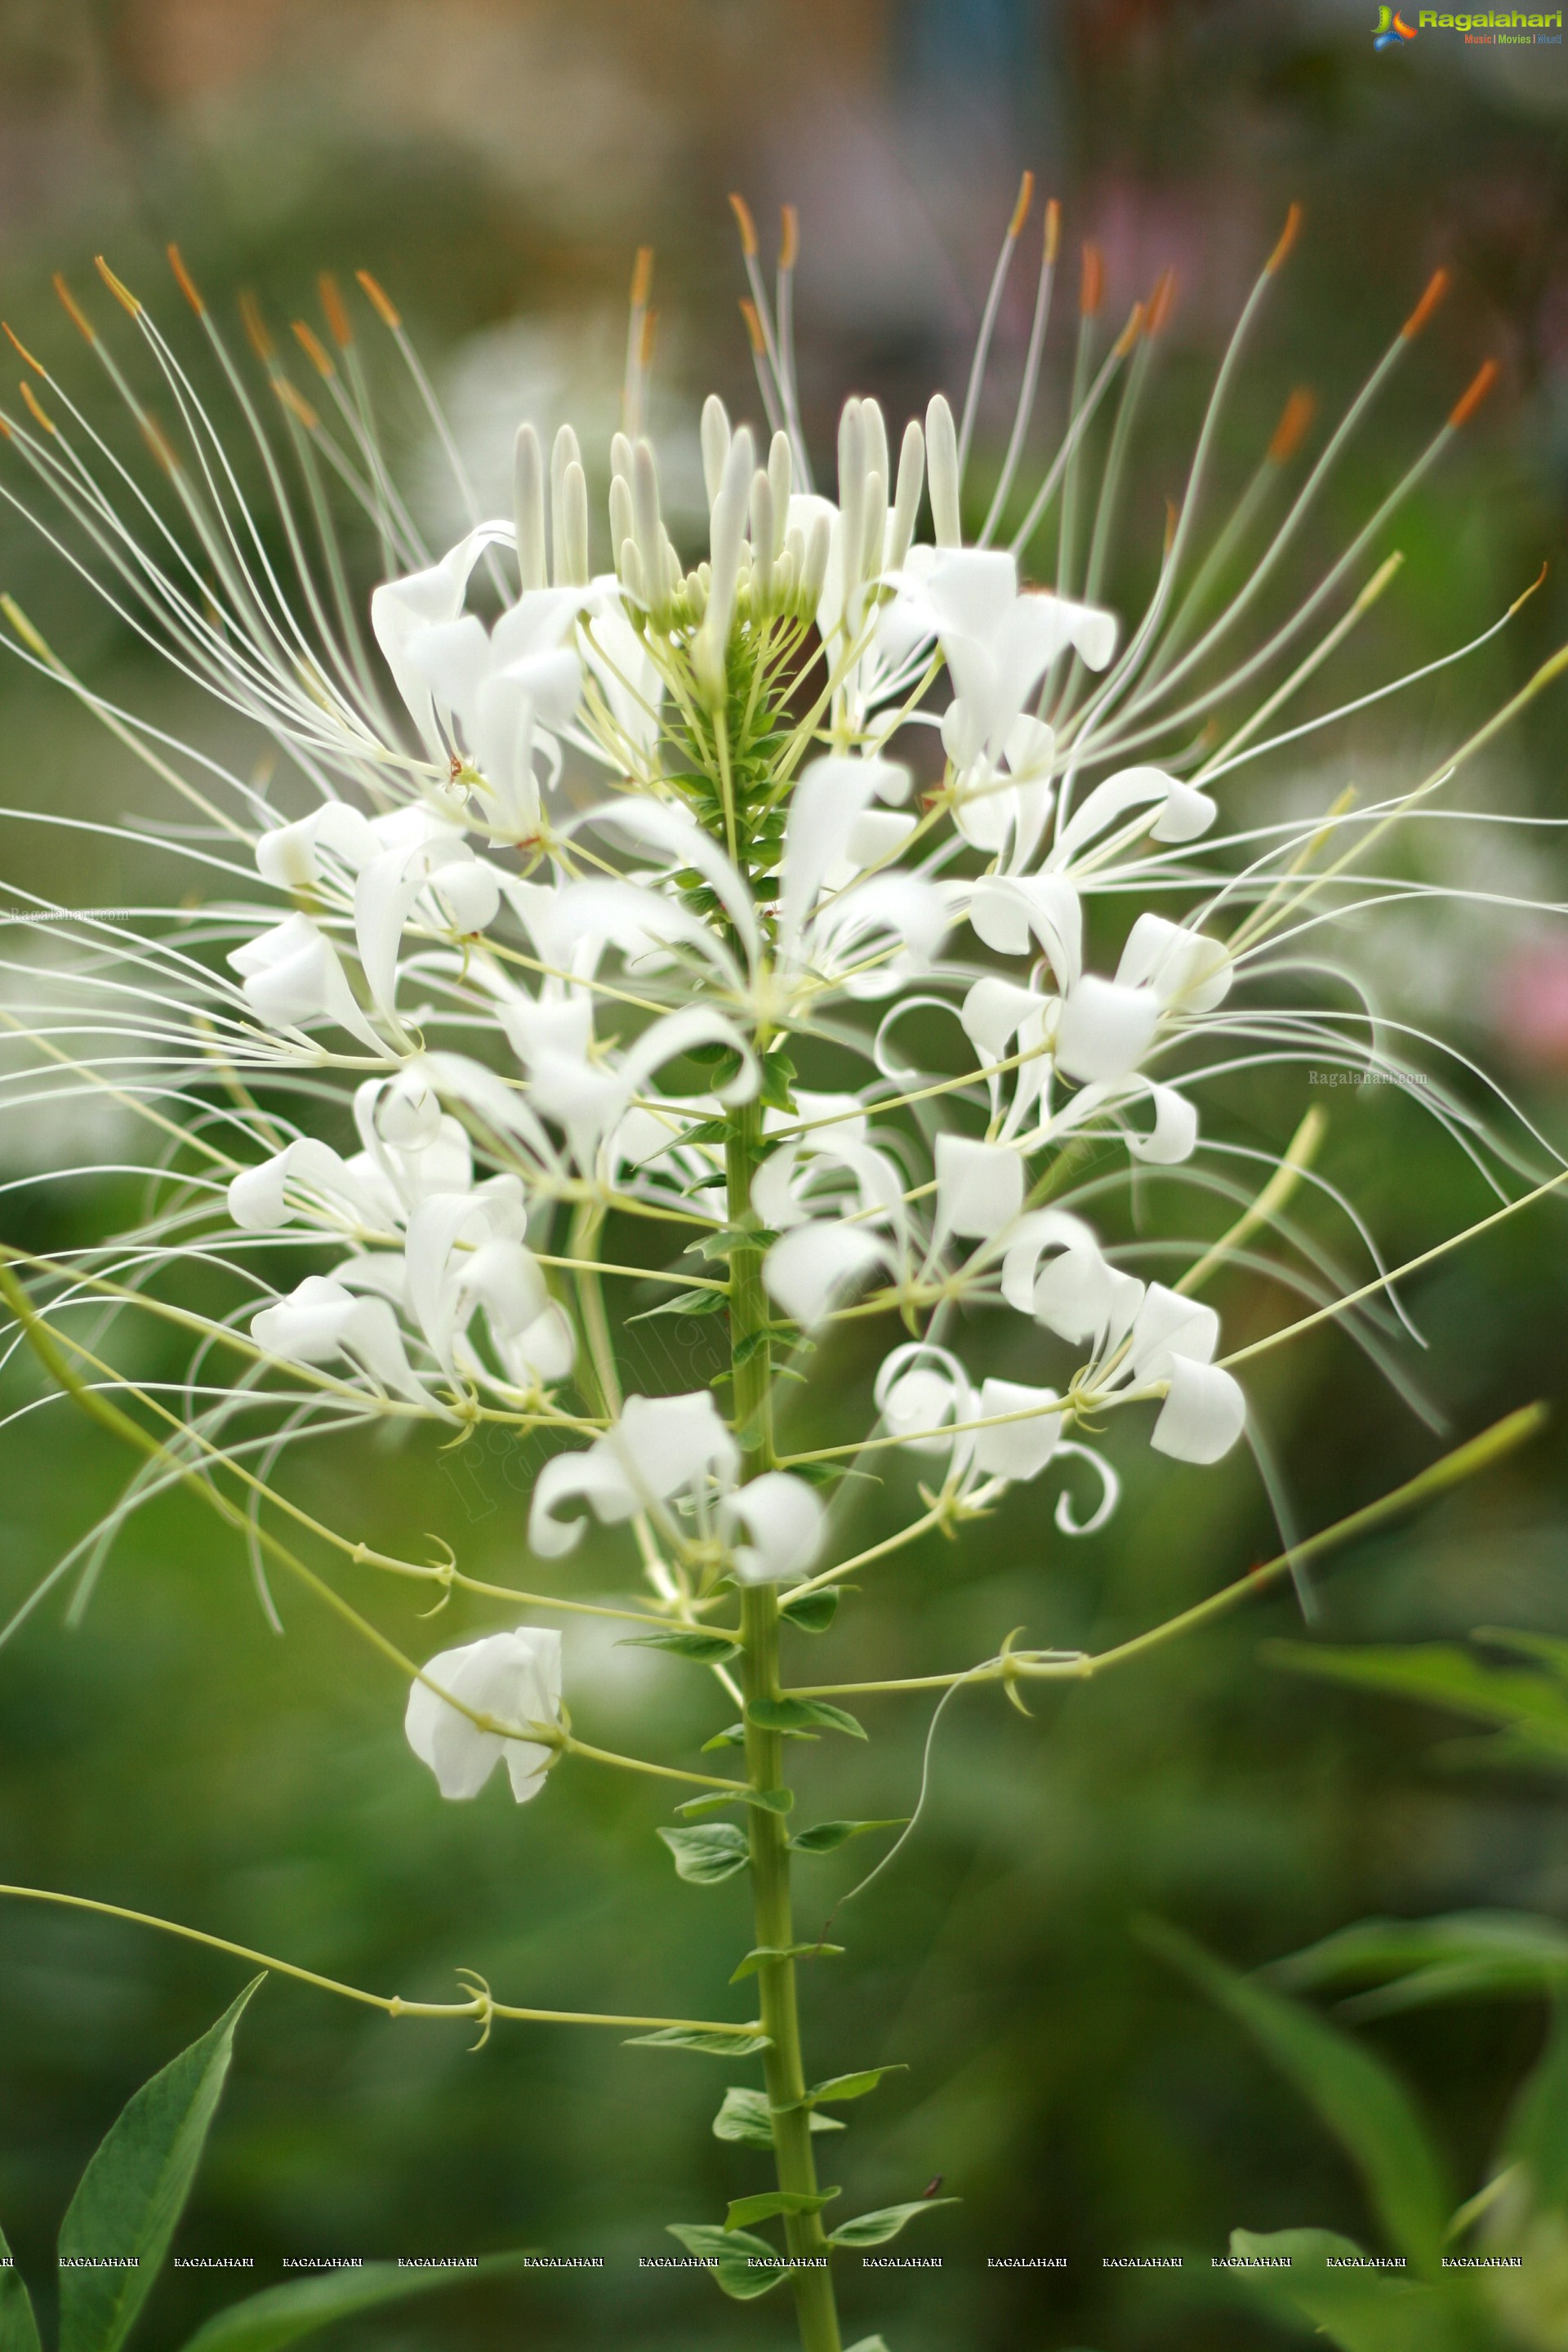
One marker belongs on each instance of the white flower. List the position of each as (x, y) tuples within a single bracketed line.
[(660, 1447), (513, 1677), (786, 1522)]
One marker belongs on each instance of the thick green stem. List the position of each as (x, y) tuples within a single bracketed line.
[(816, 2309)]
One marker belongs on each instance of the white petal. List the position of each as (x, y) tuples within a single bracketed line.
[(667, 1442), (1174, 1134), (1105, 1028), (994, 1012), (1018, 1449), (1007, 908), (1181, 968), (513, 1676), (593, 1477), (979, 1186), (805, 1270), (786, 1521), (1168, 1326), (1043, 1229), (1203, 1415)]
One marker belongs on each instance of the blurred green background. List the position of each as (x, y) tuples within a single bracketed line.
[(496, 162)]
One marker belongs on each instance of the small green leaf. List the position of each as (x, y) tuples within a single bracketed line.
[(1356, 2096), (731, 2255), (801, 1715), (746, 2116), (19, 2328), (764, 1955), (734, 1737), (706, 1649), (875, 2229), (812, 1612), (751, 1344), (765, 1800), (704, 1130), (133, 2191), (685, 1302), (282, 2314), (692, 2037), (707, 1855), (852, 2086), (828, 1836), (774, 2201)]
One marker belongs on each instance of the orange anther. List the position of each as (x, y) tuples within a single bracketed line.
[(1465, 408), (1291, 431), (754, 324), (1092, 283), (254, 326), (745, 224), (379, 300), (18, 344), (184, 281), (1162, 302), (336, 315), (645, 348), (1131, 331), (642, 276), (120, 291), (73, 310), (315, 351), (789, 236), (31, 398), (1437, 287), (1052, 230), (295, 402), (1020, 209), (1288, 237)]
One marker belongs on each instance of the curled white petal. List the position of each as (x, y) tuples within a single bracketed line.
[(1203, 1413)]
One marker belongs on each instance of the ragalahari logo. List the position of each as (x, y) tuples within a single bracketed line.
[(1391, 29)]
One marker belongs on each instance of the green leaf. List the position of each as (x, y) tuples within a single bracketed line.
[(828, 1836), (1359, 2311), (762, 1955), (875, 2229), (19, 2328), (685, 1302), (706, 1649), (730, 2254), (1439, 1674), (812, 1612), (281, 2315), (1536, 2133), (1356, 2096), (704, 1130), (1461, 1954), (747, 2118), (838, 2087), (133, 2191), (736, 1737), (707, 1855), (692, 2037), (774, 2201), (801, 1715), (766, 1800)]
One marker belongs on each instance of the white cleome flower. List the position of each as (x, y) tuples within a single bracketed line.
[(512, 1678)]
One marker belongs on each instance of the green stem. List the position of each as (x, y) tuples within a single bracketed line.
[(816, 2309)]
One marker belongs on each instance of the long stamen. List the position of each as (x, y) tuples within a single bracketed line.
[(988, 318)]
